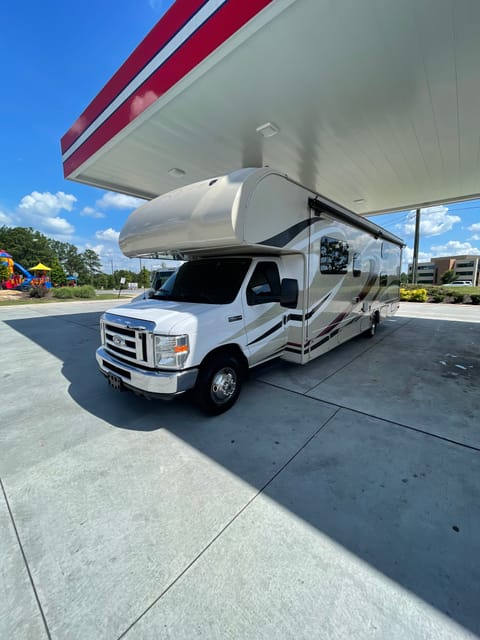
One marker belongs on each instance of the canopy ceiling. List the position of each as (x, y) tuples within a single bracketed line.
[(375, 103)]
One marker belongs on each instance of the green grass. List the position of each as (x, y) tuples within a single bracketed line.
[(467, 291), (23, 301)]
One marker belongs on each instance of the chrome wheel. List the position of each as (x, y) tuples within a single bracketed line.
[(224, 384), (218, 384)]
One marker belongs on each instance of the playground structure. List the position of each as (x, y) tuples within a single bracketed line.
[(22, 278)]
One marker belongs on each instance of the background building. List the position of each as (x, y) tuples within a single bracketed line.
[(465, 268)]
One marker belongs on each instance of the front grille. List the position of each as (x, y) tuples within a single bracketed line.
[(129, 338)]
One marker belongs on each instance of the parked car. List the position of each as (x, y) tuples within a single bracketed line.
[(459, 283), (161, 276), (157, 280)]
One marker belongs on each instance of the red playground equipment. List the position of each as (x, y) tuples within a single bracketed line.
[(20, 278)]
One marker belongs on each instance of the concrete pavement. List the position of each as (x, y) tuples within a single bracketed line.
[(335, 500)]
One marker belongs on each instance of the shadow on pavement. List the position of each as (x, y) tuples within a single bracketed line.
[(391, 496)]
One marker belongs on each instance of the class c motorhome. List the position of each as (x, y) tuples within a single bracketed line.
[(272, 270)]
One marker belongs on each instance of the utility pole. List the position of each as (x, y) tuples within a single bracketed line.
[(415, 247)]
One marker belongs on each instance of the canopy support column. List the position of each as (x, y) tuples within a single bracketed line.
[(415, 247)]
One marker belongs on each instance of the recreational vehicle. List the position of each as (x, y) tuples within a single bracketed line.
[(272, 270)]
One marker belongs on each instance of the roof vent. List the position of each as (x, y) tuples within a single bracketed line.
[(176, 173), (267, 130)]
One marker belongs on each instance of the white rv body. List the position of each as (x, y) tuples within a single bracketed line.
[(257, 224)]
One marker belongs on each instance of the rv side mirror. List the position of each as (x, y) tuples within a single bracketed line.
[(289, 293)]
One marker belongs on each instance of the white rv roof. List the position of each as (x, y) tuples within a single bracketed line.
[(376, 105), (249, 210)]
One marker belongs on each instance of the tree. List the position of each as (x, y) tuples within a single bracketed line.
[(144, 277), (130, 276), (70, 259), (58, 275), (91, 262), (26, 246), (102, 281), (448, 276)]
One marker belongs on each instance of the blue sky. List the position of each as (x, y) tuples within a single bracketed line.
[(56, 56)]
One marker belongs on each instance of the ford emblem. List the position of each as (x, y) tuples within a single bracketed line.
[(118, 341)]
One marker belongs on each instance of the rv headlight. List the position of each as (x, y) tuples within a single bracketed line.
[(170, 351)]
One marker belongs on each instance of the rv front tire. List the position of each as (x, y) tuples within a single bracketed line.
[(218, 384)]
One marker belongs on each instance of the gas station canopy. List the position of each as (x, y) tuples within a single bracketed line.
[(375, 104)]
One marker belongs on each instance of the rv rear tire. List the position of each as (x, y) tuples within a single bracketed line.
[(218, 384), (371, 331)]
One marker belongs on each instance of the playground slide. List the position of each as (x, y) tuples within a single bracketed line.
[(27, 274)]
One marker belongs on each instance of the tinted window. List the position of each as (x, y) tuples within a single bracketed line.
[(214, 281), (264, 285), (333, 255)]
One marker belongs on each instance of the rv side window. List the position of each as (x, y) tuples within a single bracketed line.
[(264, 285), (333, 255)]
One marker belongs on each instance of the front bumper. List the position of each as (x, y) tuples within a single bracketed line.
[(152, 384)]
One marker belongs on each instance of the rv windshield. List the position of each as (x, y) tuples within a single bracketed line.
[(212, 280)]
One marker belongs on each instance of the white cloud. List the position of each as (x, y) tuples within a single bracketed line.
[(109, 235), (91, 213), (111, 200), (109, 255), (474, 227), (98, 248), (433, 222), (476, 236), (57, 226), (40, 211), (453, 248), (407, 257), (47, 204), (5, 219)]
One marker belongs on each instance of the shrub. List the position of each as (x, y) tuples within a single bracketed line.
[(419, 295), (63, 293), (38, 292), (438, 297), (413, 295), (457, 298), (475, 298), (85, 291)]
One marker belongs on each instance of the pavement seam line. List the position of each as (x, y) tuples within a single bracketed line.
[(229, 523), (374, 417), (368, 348), (47, 630)]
